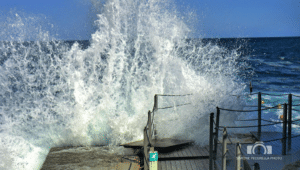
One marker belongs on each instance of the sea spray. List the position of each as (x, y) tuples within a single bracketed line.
[(55, 95)]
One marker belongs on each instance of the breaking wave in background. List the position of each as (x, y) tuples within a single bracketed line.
[(53, 94)]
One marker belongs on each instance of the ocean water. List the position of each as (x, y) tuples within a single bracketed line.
[(276, 65), (98, 92)]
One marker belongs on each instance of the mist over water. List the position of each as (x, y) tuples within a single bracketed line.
[(53, 95)]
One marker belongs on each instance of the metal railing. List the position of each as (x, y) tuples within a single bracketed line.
[(213, 148), (150, 133), (287, 122)]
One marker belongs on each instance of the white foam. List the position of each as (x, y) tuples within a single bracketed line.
[(77, 97)]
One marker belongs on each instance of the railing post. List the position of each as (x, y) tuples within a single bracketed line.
[(146, 143), (238, 156), (155, 103), (149, 127), (290, 123), (224, 150), (284, 129), (211, 128), (155, 133), (216, 133), (259, 119), (250, 87)]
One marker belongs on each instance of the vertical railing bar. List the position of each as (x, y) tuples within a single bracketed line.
[(211, 123), (259, 119), (284, 129), (290, 123), (155, 108), (149, 127), (155, 103), (216, 133), (146, 143), (238, 156), (224, 149)]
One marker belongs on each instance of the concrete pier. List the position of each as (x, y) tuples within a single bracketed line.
[(91, 158)]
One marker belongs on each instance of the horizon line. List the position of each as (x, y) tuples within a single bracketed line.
[(187, 38)]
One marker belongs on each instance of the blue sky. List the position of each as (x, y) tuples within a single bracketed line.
[(72, 19)]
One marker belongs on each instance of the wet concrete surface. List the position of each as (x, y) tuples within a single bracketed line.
[(91, 158)]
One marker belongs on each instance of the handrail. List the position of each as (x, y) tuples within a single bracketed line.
[(149, 130), (174, 94), (287, 113)]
